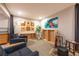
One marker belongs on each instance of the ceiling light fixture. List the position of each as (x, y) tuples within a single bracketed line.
[(19, 13), (39, 17)]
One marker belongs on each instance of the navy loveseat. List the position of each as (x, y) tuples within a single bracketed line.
[(17, 39), (18, 50)]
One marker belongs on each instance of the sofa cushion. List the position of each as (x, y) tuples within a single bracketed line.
[(16, 53), (25, 51)]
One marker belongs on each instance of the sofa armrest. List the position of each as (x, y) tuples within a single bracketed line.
[(15, 47)]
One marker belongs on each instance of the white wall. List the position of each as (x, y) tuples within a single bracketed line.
[(66, 22), (3, 24), (17, 22)]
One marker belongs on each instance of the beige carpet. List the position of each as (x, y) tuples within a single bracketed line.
[(40, 45)]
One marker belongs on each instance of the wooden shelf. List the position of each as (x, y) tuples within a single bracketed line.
[(27, 26)]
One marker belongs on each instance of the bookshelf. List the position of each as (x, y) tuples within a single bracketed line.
[(27, 26), (27, 29)]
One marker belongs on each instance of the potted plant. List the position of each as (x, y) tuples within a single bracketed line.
[(38, 32)]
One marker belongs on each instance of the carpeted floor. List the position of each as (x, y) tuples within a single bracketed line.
[(40, 45), (43, 47)]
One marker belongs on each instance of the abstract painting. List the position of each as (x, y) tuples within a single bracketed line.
[(52, 23)]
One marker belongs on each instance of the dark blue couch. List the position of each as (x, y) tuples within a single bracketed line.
[(17, 39), (18, 50)]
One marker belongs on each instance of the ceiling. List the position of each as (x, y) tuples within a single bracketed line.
[(36, 10)]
